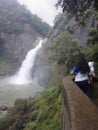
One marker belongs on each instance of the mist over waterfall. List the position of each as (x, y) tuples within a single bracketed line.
[(22, 84), (23, 76)]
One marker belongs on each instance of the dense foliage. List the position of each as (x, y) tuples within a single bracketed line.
[(19, 29), (91, 53), (66, 49), (14, 18), (40, 113), (93, 36), (77, 7), (5, 66)]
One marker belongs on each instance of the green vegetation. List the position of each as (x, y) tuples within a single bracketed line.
[(92, 31), (91, 54), (61, 23), (96, 16), (44, 111), (87, 13), (16, 22), (63, 49), (83, 19), (5, 66), (66, 49), (70, 29), (14, 18), (92, 51), (40, 113), (93, 36), (77, 8)]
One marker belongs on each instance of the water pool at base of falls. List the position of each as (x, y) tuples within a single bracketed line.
[(20, 85), (9, 93)]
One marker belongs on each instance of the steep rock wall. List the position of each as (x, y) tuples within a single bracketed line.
[(81, 31)]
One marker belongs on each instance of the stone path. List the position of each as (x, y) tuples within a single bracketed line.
[(94, 94)]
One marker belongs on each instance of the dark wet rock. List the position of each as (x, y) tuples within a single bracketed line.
[(3, 108)]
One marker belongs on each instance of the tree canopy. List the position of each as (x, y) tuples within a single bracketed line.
[(66, 49), (77, 7), (14, 18)]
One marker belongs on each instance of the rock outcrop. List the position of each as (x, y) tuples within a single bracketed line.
[(19, 30)]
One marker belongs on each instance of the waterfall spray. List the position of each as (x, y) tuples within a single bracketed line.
[(23, 76)]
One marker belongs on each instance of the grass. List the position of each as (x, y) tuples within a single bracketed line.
[(40, 113), (46, 111), (5, 66)]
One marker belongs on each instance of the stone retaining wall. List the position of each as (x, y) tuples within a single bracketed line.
[(78, 111)]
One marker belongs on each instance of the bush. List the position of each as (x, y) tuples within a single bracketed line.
[(97, 16), (91, 54), (6, 122), (92, 31), (44, 115), (20, 106), (87, 13), (70, 29)]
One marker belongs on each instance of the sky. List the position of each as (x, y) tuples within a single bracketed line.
[(45, 9)]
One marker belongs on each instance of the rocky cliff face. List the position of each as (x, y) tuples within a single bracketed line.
[(81, 31), (19, 31), (16, 46), (67, 22)]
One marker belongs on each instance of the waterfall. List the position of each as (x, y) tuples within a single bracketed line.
[(23, 76)]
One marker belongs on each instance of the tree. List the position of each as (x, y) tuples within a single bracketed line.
[(66, 48), (93, 36), (77, 7), (91, 54)]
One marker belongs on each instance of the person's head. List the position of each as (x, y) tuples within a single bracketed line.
[(83, 65), (91, 64)]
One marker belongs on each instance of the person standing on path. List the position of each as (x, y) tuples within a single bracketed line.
[(81, 71)]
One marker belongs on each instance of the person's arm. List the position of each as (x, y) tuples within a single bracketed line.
[(74, 71)]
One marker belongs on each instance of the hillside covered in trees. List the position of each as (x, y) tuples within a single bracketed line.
[(71, 37), (19, 29)]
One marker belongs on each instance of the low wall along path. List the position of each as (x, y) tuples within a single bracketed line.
[(78, 110)]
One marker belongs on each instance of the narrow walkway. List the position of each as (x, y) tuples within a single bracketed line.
[(94, 94), (78, 110)]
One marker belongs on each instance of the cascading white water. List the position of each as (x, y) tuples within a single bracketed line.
[(24, 74)]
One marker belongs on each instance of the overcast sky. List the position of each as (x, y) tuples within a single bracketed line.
[(43, 8)]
